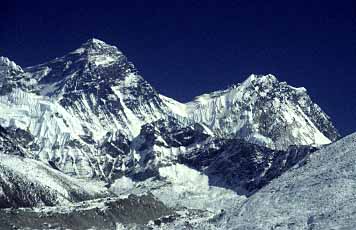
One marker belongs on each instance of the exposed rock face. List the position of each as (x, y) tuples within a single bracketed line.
[(8, 75), (9, 145), (264, 111), (109, 213), (74, 104), (89, 114), (229, 163), (85, 109), (97, 84), (242, 166), (319, 193), (26, 182)]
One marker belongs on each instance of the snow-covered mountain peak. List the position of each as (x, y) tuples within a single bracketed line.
[(96, 42), (10, 73), (7, 65), (4, 60), (259, 83), (261, 79), (90, 114), (72, 103), (93, 43), (86, 66), (266, 111), (98, 52)]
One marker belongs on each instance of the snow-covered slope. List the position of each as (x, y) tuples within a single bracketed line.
[(265, 111), (8, 71), (78, 105), (90, 114), (97, 84), (228, 163), (319, 193), (186, 167), (26, 182), (87, 109)]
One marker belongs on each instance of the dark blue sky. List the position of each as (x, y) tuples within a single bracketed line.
[(185, 49)]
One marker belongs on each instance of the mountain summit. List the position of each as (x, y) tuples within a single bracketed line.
[(90, 115), (99, 53), (264, 111), (94, 97), (94, 43), (7, 66)]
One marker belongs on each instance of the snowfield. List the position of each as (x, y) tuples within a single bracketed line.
[(87, 143), (181, 187), (320, 193), (26, 182)]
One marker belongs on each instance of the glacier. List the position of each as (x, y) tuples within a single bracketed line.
[(87, 134), (74, 104)]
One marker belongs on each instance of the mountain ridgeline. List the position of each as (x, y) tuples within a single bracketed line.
[(85, 111), (89, 115)]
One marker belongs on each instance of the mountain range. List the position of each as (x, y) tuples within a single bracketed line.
[(86, 132)]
